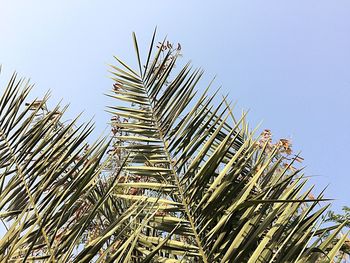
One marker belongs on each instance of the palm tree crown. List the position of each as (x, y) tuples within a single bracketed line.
[(183, 179)]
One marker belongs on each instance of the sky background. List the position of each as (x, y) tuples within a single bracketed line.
[(286, 61)]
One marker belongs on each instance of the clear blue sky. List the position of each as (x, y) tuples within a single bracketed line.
[(287, 61)]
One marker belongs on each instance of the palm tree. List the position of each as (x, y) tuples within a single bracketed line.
[(183, 179)]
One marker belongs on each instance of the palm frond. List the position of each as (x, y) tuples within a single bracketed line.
[(47, 174), (235, 199)]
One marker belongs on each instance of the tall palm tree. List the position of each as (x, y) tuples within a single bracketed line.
[(183, 179)]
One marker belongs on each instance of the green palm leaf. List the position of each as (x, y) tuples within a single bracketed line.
[(239, 202)]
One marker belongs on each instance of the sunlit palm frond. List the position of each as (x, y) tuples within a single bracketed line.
[(48, 172), (224, 195)]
